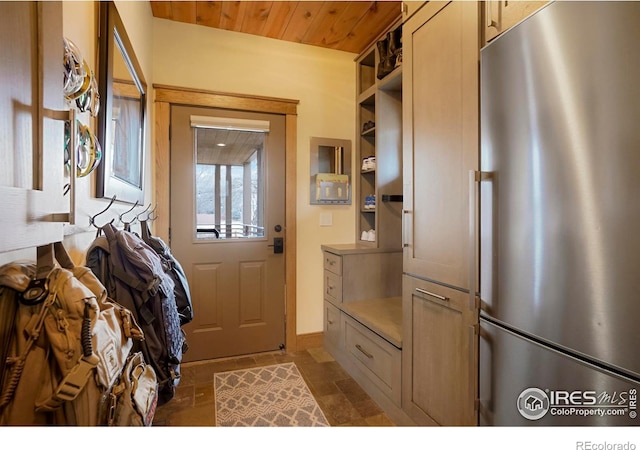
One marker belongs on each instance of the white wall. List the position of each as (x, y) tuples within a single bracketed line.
[(80, 25), (323, 80)]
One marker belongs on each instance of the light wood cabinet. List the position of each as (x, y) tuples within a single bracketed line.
[(441, 140), (410, 8), (363, 320), (332, 325), (31, 141), (439, 354), (499, 16), (353, 272), (379, 121)]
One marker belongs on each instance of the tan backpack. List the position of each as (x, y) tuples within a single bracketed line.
[(65, 346)]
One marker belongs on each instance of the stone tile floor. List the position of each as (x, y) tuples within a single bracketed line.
[(342, 400)]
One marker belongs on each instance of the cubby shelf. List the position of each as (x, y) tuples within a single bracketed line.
[(379, 101)]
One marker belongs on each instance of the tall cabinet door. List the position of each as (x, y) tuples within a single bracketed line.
[(31, 143), (440, 139), (439, 354)]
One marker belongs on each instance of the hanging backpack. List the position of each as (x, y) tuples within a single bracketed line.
[(174, 270), (65, 346), (135, 277)]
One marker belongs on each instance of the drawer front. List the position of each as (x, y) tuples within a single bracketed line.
[(379, 360), (332, 323), (333, 263), (440, 295), (332, 287)]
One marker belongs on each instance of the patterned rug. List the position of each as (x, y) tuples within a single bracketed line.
[(271, 396)]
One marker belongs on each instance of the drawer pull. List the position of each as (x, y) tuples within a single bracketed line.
[(331, 262), (431, 294), (330, 322), (366, 353)]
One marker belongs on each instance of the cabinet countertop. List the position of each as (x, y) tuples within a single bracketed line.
[(381, 315), (348, 249)]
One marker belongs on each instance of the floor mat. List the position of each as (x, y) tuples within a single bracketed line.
[(270, 396)]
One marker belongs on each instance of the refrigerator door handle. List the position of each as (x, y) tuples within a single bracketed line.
[(475, 177), (473, 366), (473, 226)]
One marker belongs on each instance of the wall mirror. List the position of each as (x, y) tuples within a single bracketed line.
[(121, 119), (330, 164)]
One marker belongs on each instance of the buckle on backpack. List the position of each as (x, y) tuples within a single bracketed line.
[(71, 385), (154, 286)]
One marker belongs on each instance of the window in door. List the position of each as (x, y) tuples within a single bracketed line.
[(229, 183)]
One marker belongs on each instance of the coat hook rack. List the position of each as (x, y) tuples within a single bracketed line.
[(143, 211), (92, 219)]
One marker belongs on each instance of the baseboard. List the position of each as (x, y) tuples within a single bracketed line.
[(309, 340)]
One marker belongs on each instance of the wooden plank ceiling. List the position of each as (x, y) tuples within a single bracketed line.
[(227, 147), (348, 26)]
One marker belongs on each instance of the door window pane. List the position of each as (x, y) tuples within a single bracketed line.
[(229, 184)]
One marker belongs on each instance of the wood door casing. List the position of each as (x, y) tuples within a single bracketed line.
[(237, 284), (165, 96)]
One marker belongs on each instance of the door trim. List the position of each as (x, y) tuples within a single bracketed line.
[(164, 97)]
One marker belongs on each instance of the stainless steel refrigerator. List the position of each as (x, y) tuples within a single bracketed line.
[(560, 218)]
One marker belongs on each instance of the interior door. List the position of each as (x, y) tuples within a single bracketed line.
[(227, 227)]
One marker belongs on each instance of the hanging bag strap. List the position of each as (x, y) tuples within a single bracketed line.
[(8, 312), (146, 232), (62, 256), (38, 287)]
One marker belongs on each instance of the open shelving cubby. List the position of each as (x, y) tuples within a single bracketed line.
[(379, 102)]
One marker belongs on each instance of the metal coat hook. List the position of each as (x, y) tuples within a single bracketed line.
[(143, 211), (127, 212), (92, 219), (152, 215)]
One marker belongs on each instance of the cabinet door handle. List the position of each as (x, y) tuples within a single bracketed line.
[(330, 322), (405, 212), (489, 15), (366, 353), (431, 294)]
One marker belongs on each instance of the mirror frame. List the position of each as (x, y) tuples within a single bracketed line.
[(112, 29)]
